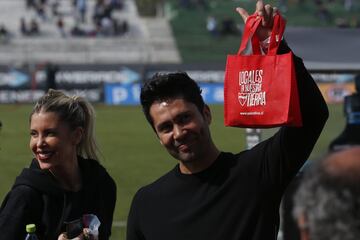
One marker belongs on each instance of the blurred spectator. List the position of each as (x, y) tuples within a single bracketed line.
[(55, 8), (106, 27), (212, 26), (76, 31), (31, 30), (3, 30), (41, 12), (104, 24), (229, 27), (354, 22), (350, 136), (51, 70), (81, 8), (23, 27), (34, 28), (4, 34), (342, 23), (120, 27), (125, 26), (102, 9), (322, 12), (61, 27)]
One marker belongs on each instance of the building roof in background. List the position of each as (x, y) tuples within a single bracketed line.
[(326, 48)]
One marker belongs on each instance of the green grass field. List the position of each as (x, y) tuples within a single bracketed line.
[(131, 152)]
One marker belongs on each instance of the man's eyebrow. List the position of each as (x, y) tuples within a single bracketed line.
[(163, 124)]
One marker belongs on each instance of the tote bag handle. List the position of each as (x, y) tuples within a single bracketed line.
[(252, 24)]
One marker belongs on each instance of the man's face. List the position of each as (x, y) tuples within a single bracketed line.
[(182, 129)]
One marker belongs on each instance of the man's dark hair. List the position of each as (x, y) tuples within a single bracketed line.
[(162, 87)]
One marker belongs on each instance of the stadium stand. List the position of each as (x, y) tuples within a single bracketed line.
[(144, 40)]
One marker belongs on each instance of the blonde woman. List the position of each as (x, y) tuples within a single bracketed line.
[(65, 181)]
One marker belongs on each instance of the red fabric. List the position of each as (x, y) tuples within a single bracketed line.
[(261, 90)]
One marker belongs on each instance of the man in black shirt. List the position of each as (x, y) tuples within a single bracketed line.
[(212, 194)]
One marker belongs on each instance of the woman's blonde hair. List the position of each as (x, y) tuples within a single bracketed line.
[(76, 112)]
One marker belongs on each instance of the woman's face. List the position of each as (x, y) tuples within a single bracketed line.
[(52, 141)]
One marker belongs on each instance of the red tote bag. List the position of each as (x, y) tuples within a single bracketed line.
[(260, 91)]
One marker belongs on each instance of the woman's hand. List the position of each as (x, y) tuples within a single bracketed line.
[(63, 236), (86, 235)]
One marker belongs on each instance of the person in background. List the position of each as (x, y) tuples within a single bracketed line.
[(211, 194), (350, 136), (328, 199), (34, 29), (51, 69), (5, 34), (65, 180), (23, 27), (211, 26)]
